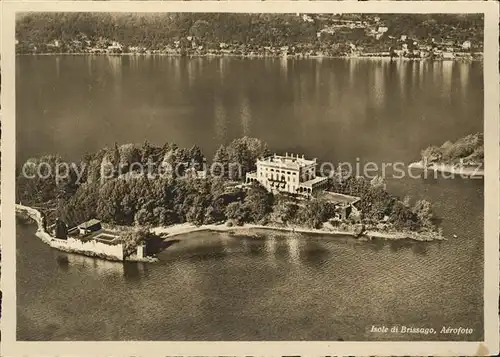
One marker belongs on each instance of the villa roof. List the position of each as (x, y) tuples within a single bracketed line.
[(287, 161), (313, 181)]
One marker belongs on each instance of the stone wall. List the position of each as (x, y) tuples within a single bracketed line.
[(90, 247)]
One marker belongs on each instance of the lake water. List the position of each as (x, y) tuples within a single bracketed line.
[(218, 287)]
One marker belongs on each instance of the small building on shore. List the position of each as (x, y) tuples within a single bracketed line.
[(91, 238), (90, 226), (345, 204)]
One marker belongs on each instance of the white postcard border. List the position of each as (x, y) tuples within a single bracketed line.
[(11, 347)]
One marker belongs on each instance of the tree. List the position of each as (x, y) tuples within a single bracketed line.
[(133, 237), (129, 155), (200, 29), (239, 160), (69, 183), (258, 203), (196, 157), (116, 160), (237, 212), (431, 154), (112, 196), (284, 209), (315, 212), (61, 229), (403, 218), (220, 164), (243, 154), (378, 181), (197, 211), (423, 210)]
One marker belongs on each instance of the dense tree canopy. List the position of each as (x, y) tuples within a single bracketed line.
[(466, 150), (104, 190)]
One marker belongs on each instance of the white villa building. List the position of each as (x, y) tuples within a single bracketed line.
[(289, 173)]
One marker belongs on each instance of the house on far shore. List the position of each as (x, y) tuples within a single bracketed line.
[(382, 29), (115, 47), (466, 45)]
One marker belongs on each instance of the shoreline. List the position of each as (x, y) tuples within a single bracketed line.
[(169, 232), (255, 56), (466, 172), (173, 232)]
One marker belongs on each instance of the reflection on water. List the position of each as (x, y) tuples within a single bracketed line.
[(130, 271), (312, 104), (271, 281), (58, 64), (63, 262), (221, 121), (246, 117)]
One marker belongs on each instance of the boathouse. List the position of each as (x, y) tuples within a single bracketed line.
[(90, 226)]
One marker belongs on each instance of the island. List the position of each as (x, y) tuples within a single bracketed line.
[(127, 202), (463, 157)]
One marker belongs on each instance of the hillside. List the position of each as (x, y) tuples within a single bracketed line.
[(328, 33)]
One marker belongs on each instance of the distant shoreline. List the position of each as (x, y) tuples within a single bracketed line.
[(366, 56)]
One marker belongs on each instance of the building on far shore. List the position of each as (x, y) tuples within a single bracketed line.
[(448, 56), (289, 173)]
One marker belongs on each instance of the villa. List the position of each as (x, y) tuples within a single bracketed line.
[(289, 173), (297, 175)]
